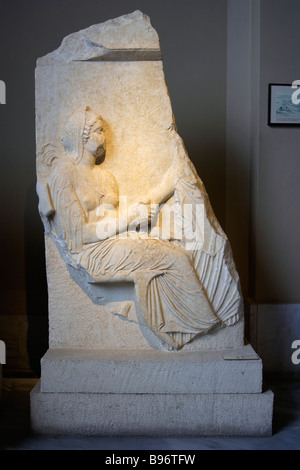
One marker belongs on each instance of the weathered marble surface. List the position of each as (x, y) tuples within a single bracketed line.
[(143, 414), (155, 372), (106, 133)]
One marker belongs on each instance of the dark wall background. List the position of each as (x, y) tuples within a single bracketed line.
[(277, 254), (193, 41)]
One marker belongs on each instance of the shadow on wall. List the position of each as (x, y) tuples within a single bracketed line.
[(209, 161), (36, 283)]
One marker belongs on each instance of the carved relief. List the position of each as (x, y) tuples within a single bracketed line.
[(168, 243)]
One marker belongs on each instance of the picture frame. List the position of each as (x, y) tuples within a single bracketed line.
[(284, 105)]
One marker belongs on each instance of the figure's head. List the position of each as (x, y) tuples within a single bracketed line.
[(84, 130), (94, 135)]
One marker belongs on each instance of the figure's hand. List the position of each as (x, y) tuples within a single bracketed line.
[(152, 209), (138, 216)]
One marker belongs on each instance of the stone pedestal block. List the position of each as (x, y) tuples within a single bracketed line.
[(115, 392), (146, 414), (131, 371)]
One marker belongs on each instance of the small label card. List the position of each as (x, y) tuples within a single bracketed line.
[(240, 357)]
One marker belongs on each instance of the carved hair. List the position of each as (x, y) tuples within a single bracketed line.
[(77, 131), (90, 119)]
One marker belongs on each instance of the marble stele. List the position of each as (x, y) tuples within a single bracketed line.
[(137, 262)]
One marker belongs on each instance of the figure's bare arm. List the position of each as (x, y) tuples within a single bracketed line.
[(112, 223), (108, 225), (165, 189)]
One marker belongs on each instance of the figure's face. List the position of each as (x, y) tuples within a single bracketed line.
[(96, 143)]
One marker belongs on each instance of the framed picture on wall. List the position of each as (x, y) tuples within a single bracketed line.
[(284, 104)]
